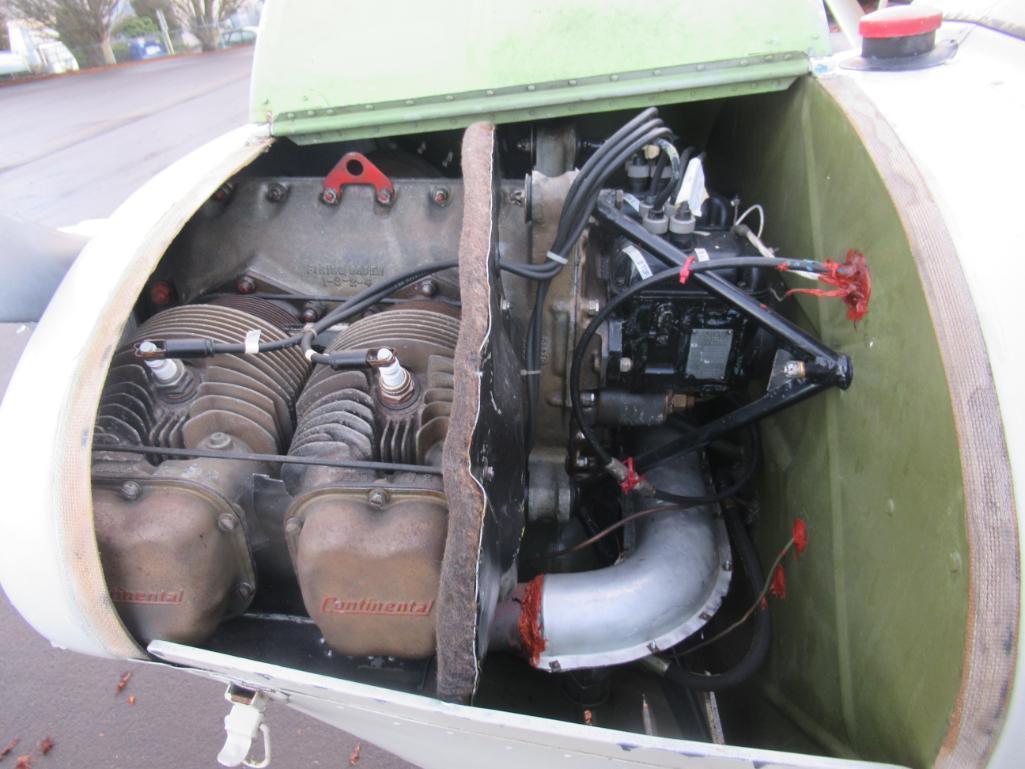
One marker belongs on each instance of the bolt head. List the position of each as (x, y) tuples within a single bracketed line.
[(626, 365), (440, 196), (131, 490), (429, 288), (329, 196), (246, 589), (384, 196), (293, 527), (245, 285), (488, 473), (227, 522), (309, 315), (587, 398), (378, 498), (276, 192), (219, 440), (793, 369)]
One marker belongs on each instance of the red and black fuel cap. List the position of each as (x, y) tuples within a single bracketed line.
[(901, 37)]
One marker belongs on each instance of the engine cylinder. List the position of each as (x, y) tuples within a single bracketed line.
[(173, 533), (367, 551)]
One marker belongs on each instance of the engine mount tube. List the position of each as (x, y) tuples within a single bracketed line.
[(669, 583)]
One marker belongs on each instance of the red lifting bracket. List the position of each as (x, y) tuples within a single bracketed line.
[(352, 169)]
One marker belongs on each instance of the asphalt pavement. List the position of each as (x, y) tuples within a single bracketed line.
[(72, 148)]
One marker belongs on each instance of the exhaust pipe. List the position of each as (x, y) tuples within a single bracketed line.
[(671, 580)]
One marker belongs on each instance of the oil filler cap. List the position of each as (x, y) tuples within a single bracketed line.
[(901, 37)]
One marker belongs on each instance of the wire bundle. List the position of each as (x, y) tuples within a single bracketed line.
[(646, 128)]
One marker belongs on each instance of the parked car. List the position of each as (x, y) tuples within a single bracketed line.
[(238, 36), (12, 64), (146, 48)]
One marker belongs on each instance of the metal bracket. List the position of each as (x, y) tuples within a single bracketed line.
[(242, 725), (353, 169)]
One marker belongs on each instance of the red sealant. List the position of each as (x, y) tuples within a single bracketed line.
[(685, 270), (800, 535), (529, 624), (778, 587), (853, 284), (632, 478)]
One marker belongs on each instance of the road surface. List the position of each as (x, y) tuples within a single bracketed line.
[(71, 149)]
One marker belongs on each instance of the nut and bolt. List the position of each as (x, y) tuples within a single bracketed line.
[(131, 490), (227, 522), (276, 192), (246, 589), (245, 285), (429, 288), (378, 498), (794, 369), (385, 197), (440, 196), (329, 196), (219, 440), (626, 365)]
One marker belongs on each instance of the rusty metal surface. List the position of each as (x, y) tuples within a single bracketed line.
[(174, 555), (367, 552), (302, 245), (369, 564), (173, 538)]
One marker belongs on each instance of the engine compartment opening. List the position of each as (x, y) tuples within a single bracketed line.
[(563, 418)]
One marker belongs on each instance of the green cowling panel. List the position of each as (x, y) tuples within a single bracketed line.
[(326, 70), (868, 646)]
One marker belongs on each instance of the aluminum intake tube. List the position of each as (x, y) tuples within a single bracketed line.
[(669, 583)]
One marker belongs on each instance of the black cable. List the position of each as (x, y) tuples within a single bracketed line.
[(577, 206), (761, 637), (284, 459), (742, 480), (351, 306), (656, 176)]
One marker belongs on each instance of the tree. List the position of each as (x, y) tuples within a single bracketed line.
[(137, 26), (5, 39), (204, 18), (84, 26), (148, 9)]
